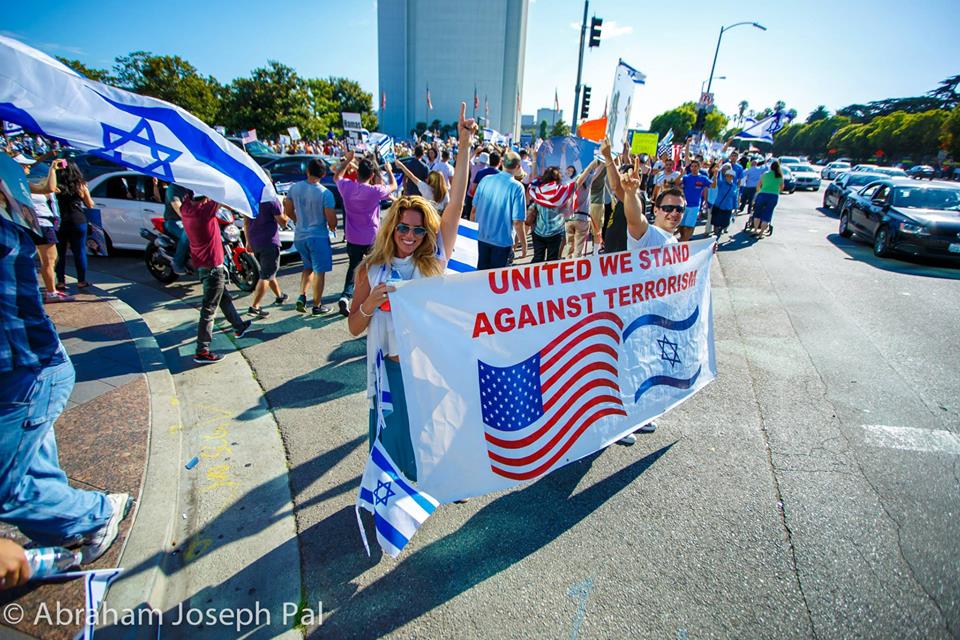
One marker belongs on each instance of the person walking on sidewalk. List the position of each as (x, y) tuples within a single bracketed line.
[(311, 206), (36, 379), (46, 241), (263, 238), (73, 196), (199, 215), (361, 215)]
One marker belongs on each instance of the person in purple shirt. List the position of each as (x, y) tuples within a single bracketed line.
[(693, 185), (263, 239), (361, 215)]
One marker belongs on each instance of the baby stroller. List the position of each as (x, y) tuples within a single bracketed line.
[(749, 224)]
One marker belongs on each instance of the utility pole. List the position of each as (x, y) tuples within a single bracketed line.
[(576, 92)]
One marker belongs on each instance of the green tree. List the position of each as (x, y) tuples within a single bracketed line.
[(681, 119), (779, 106), (947, 92), (820, 113), (950, 133), (714, 124), (560, 128), (542, 133), (100, 75), (270, 100), (169, 78)]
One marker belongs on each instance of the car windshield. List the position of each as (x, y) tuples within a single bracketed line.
[(802, 168), (927, 198), (841, 165), (860, 179), (257, 147), (892, 172)]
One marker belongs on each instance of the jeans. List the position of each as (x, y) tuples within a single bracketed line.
[(34, 493), (355, 254), (74, 236), (215, 295), (490, 256), (746, 198), (175, 229), (546, 247)]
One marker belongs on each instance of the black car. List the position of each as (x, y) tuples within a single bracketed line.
[(286, 170), (838, 190), (261, 153), (900, 215), (921, 171)]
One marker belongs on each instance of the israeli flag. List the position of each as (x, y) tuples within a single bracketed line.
[(145, 134), (664, 145), (398, 508), (637, 76), (10, 130), (764, 130)]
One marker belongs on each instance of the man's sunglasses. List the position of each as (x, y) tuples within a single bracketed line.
[(671, 208), (417, 231)]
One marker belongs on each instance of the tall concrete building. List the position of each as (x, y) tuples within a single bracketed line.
[(452, 46)]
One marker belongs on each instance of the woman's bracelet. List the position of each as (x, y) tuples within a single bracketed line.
[(364, 313)]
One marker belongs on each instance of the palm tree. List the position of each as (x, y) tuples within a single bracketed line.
[(743, 107), (779, 106), (820, 113)]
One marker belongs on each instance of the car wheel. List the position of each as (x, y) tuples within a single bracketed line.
[(825, 205), (881, 243), (845, 225)]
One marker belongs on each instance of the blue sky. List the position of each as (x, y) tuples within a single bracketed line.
[(814, 52)]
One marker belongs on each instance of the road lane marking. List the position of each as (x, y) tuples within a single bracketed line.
[(911, 439)]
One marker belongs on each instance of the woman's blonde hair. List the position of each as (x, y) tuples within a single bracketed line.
[(439, 185), (424, 256)]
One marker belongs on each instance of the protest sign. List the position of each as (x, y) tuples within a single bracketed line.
[(643, 142), (566, 151), (294, 133), (512, 373), (621, 102), (384, 145), (351, 121)]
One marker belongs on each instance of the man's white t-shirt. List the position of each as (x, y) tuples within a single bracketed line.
[(653, 237), (444, 169)]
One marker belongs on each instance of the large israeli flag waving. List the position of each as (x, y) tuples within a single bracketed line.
[(764, 130), (145, 134)]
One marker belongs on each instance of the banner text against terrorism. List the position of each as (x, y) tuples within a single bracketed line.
[(573, 306)]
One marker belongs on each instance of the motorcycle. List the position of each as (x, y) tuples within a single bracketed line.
[(242, 268)]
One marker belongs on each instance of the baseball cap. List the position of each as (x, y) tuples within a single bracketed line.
[(22, 159), (729, 172), (485, 158)]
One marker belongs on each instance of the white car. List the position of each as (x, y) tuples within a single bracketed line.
[(869, 168), (127, 202), (830, 171), (805, 177)]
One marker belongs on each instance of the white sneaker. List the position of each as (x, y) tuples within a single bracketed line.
[(100, 540), (650, 427), (628, 440)]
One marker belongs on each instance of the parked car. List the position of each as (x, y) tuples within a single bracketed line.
[(838, 190), (127, 201), (789, 160), (260, 152), (921, 171), (871, 168), (789, 184), (830, 171), (90, 165), (805, 177), (893, 172), (285, 170), (898, 215)]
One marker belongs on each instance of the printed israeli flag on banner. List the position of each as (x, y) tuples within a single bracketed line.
[(145, 134), (398, 508), (465, 251)]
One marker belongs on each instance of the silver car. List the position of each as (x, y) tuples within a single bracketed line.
[(830, 171), (805, 177)]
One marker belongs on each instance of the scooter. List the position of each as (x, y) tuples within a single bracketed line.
[(242, 268)]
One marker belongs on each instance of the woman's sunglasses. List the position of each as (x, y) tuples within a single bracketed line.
[(417, 231)]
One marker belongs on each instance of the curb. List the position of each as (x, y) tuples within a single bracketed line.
[(155, 514)]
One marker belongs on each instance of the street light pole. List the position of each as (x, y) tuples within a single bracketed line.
[(717, 51), (576, 92)]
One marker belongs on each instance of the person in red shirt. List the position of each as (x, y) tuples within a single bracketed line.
[(199, 216)]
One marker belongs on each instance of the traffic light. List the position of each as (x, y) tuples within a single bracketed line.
[(595, 24), (585, 105)]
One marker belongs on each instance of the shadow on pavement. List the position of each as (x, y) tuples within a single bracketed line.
[(739, 240), (829, 213), (495, 538), (902, 263)]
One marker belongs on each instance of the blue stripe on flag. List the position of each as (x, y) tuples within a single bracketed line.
[(656, 381), (467, 232), (384, 465), (366, 495), (389, 532), (660, 321), (459, 267)]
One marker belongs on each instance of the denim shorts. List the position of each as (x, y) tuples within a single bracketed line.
[(690, 215), (315, 253)]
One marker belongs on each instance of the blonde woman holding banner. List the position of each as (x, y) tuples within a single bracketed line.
[(413, 242)]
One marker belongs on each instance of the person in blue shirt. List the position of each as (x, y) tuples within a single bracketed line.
[(725, 200), (500, 208), (693, 185)]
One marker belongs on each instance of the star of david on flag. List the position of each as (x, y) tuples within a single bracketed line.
[(114, 141), (534, 411), (398, 508), (669, 350)]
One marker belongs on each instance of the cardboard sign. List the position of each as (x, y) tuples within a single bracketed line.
[(644, 143), (294, 133), (351, 121)]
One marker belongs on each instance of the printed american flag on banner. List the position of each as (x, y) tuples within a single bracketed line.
[(536, 410)]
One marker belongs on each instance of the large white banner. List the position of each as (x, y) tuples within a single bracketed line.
[(509, 374), (621, 103)]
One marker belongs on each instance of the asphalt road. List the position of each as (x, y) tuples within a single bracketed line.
[(810, 491)]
